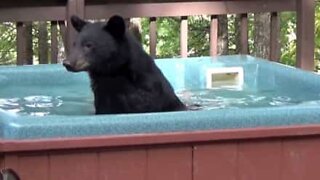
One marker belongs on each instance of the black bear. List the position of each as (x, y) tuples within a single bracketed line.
[(124, 78)]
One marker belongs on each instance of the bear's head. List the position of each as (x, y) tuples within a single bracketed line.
[(99, 47)]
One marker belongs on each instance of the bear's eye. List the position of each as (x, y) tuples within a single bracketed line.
[(88, 45)]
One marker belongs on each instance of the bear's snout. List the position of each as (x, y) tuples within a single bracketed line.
[(68, 65), (76, 66)]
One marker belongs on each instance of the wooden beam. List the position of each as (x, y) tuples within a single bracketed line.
[(305, 34), (23, 14), (187, 8), (184, 36), (153, 37), (275, 37), (214, 36)]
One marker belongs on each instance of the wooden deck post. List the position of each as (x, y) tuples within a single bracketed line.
[(21, 43), (54, 42), (305, 34), (274, 38), (184, 37), (63, 32), (153, 37), (244, 34), (214, 36), (74, 7)]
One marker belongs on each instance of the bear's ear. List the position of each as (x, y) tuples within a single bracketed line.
[(77, 23), (116, 26)]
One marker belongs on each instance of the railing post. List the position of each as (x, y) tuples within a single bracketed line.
[(214, 36), (244, 34), (28, 43), (54, 42), (63, 32), (184, 36), (74, 7), (274, 37), (305, 34), (21, 43), (43, 43), (153, 37)]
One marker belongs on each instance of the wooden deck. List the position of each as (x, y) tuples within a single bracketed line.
[(58, 11)]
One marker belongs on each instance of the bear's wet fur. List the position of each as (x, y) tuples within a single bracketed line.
[(124, 78)]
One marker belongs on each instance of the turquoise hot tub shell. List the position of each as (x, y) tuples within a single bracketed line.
[(184, 74)]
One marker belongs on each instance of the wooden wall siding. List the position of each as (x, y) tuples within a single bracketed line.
[(301, 159), (264, 159), (217, 160), (123, 164), (170, 163), (259, 160)]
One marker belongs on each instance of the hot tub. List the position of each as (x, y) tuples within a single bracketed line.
[(254, 119)]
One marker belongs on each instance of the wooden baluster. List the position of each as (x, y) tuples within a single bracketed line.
[(244, 33), (63, 32), (54, 42), (21, 43), (153, 37), (305, 34), (184, 37), (43, 43), (214, 36), (74, 7), (274, 37)]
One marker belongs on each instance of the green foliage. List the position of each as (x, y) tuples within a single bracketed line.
[(7, 43), (198, 37), (167, 36), (288, 38), (251, 32)]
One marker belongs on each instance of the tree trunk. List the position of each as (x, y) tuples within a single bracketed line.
[(29, 45), (262, 35), (43, 43), (222, 35)]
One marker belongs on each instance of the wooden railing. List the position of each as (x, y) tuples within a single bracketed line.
[(59, 11)]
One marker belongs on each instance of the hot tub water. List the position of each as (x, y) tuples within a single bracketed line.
[(42, 101)]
